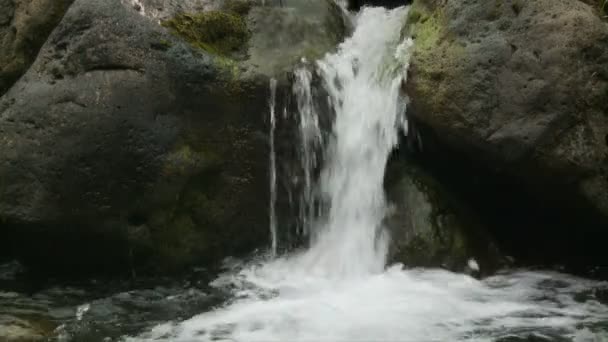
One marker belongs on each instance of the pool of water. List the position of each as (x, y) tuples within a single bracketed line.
[(97, 309)]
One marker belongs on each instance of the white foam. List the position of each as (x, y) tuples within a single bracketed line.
[(275, 304)]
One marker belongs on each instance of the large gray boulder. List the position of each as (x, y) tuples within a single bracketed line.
[(130, 145), (520, 87)]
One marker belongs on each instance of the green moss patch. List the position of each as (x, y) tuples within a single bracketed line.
[(217, 32), (428, 29)]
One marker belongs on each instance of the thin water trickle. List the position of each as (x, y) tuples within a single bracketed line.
[(340, 289), (273, 169), (310, 141)]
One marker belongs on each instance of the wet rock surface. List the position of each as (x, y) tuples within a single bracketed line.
[(431, 227)]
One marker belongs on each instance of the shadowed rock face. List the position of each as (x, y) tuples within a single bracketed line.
[(515, 93), (357, 4), (127, 147), (24, 27), (430, 225)]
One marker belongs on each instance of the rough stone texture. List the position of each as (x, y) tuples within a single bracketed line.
[(284, 31), (125, 146), (164, 9), (519, 86), (430, 227), (24, 27)]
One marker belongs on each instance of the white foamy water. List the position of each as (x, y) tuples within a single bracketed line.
[(340, 288), (364, 93), (276, 303)]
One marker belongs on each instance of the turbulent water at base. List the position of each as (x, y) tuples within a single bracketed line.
[(340, 288)]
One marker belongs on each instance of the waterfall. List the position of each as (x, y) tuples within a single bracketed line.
[(340, 288), (363, 80)]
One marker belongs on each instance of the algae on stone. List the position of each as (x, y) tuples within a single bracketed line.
[(217, 32), (436, 45)]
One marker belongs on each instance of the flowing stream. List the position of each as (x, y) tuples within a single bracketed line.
[(340, 288)]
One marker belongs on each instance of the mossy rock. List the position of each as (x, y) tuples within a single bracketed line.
[(159, 153), (217, 32), (518, 87), (267, 40)]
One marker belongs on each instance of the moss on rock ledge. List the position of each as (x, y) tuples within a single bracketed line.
[(217, 32)]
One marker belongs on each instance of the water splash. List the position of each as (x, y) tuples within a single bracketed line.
[(397, 305)]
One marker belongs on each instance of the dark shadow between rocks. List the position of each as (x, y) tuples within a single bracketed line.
[(557, 230), (355, 5)]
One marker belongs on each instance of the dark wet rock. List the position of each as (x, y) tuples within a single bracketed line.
[(357, 4), (512, 96), (431, 227), (127, 147), (24, 27)]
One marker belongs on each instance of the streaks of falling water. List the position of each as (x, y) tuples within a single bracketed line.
[(363, 87), (310, 142), (273, 169)]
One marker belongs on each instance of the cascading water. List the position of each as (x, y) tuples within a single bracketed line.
[(363, 90), (340, 288), (310, 141)]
